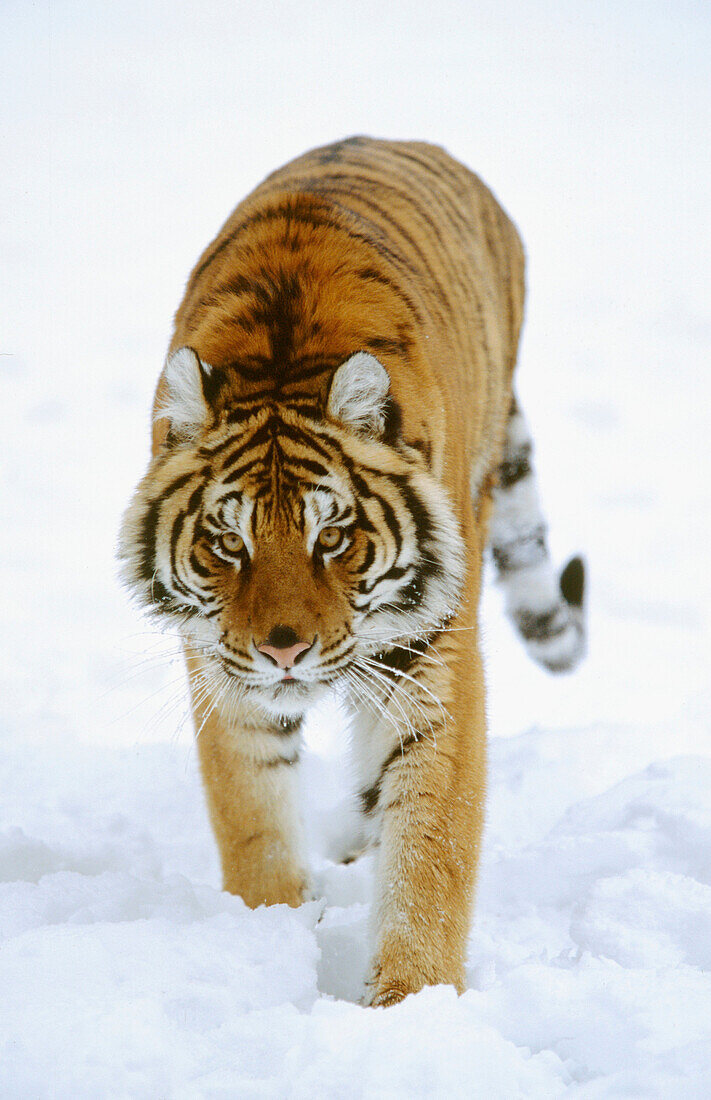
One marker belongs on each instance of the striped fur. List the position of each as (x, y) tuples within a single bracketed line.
[(546, 610), (331, 433)]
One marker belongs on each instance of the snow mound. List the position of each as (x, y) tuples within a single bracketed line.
[(126, 971)]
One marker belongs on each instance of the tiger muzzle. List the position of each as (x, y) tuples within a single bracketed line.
[(284, 647)]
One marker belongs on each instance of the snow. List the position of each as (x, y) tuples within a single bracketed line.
[(130, 131)]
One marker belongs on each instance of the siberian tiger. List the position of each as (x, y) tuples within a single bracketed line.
[(335, 441)]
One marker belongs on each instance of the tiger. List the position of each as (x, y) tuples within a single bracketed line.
[(336, 443)]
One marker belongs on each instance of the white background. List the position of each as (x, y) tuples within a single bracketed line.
[(128, 133)]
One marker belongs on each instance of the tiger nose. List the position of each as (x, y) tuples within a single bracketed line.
[(283, 646)]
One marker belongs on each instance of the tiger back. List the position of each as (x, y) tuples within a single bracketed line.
[(389, 247)]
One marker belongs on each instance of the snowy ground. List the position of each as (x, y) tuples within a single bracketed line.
[(129, 131)]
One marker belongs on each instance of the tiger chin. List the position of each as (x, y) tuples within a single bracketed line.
[(335, 443)]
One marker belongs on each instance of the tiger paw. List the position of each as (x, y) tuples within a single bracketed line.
[(386, 989), (384, 998), (390, 983), (276, 889)]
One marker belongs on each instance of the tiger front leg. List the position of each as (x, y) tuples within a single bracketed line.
[(249, 773), (432, 804)]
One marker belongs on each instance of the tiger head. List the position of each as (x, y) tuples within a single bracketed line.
[(285, 543)]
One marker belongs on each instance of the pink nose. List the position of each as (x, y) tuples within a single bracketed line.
[(284, 657)]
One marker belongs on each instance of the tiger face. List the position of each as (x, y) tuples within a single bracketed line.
[(286, 543)]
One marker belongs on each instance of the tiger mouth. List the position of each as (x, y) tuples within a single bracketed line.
[(290, 685), (289, 698)]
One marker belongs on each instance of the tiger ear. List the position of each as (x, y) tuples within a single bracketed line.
[(359, 394), (188, 382)]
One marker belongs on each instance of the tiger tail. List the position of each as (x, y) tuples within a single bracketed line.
[(548, 611)]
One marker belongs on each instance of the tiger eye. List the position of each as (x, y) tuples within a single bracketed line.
[(231, 542), (330, 537)]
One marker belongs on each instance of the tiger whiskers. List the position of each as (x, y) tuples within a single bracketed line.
[(132, 666), (370, 689), (406, 676), (427, 722), (217, 697), (384, 644), (395, 693), (366, 692)]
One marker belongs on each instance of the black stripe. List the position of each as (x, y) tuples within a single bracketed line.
[(542, 626), (230, 662), (402, 657), (175, 533), (411, 595), (194, 502), (515, 467), (388, 345), (149, 528), (311, 465), (198, 567), (368, 559), (236, 284), (287, 726), (458, 220), (239, 471), (509, 555), (297, 481), (364, 491), (217, 448), (421, 515), (363, 521), (394, 573), (262, 435), (391, 521), (370, 797), (237, 415), (372, 275), (311, 441)]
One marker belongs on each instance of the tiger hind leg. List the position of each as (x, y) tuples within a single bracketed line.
[(546, 609)]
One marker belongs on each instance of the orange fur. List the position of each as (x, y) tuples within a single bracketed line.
[(397, 250)]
